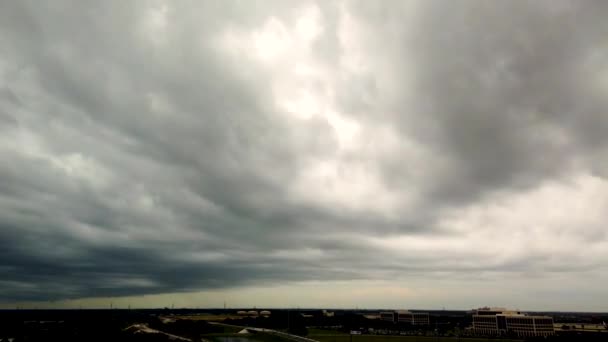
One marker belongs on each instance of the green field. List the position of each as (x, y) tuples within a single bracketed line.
[(227, 329), (379, 338), (315, 331), (242, 338)]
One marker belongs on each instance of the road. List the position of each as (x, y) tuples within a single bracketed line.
[(146, 329), (272, 332)]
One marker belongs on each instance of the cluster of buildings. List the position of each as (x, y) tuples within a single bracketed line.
[(413, 318), (253, 313), (486, 322), (500, 322)]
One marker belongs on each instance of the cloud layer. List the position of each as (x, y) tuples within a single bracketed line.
[(156, 147)]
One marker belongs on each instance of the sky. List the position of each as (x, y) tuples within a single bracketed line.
[(336, 154)]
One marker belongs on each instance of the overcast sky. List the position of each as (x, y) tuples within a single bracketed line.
[(404, 154)]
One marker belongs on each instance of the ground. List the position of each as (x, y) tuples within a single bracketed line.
[(381, 338)]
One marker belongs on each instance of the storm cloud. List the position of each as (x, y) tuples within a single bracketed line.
[(152, 147)]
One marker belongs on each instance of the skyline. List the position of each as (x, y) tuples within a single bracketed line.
[(76, 305), (309, 153)]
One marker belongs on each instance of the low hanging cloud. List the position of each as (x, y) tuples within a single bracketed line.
[(157, 147)]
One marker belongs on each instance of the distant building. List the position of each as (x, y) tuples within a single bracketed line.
[(499, 321), (387, 316), (328, 313), (487, 311), (413, 318)]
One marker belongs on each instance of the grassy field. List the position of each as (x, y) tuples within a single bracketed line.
[(379, 338), (226, 329), (242, 338), (316, 331)]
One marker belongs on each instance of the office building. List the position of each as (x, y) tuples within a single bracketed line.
[(413, 318), (499, 322), (388, 316)]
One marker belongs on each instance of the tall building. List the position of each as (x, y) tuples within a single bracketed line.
[(499, 321)]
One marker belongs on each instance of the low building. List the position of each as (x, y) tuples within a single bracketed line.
[(413, 318), (387, 316), (499, 322)]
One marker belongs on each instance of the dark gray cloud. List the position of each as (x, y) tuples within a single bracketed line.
[(153, 147)]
